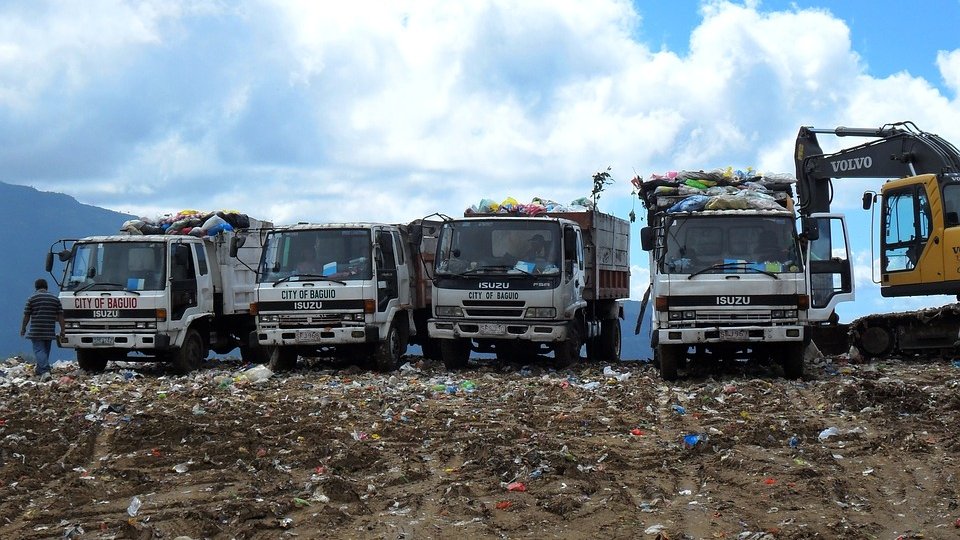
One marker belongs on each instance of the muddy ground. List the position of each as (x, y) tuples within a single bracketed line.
[(851, 451)]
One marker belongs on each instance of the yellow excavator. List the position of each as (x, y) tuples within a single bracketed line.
[(919, 235)]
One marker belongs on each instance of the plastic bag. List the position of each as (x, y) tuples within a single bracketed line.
[(692, 203)]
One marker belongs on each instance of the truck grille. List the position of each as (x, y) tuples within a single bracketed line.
[(482, 308), (733, 317), (293, 321), (116, 326)]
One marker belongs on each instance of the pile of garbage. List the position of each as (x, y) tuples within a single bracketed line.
[(191, 222), (719, 189), (537, 206)]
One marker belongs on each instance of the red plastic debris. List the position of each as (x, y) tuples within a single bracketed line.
[(769, 481), (155, 452), (516, 486), (636, 432), (503, 505)]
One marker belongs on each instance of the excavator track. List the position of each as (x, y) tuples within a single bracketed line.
[(927, 332)]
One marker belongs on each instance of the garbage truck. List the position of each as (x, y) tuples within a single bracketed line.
[(529, 281), (348, 290), (729, 269), (160, 291)]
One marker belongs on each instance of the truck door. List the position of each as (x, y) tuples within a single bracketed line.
[(829, 266), (387, 279), (404, 287), (183, 281), (204, 279)]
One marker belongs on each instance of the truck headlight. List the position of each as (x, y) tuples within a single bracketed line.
[(449, 311), (675, 315), (73, 324), (541, 313), (689, 315), (352, 316), (143, 325), (269, 318)]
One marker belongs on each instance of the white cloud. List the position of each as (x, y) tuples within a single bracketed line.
[(949, 64)]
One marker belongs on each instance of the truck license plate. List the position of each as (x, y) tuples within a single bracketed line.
[(102, 341), (493, 329), (732, 335), (308, 336)]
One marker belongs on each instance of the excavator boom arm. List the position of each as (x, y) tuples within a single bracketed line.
[(898, 150)]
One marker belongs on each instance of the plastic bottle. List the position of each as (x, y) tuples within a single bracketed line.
[(134, 506)]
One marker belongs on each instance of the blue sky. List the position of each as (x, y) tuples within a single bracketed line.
[(388, 111)]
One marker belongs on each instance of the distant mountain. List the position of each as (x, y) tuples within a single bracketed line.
[(37, 219), (635, 346)]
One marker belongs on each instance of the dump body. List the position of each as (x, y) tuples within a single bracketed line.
[(349, 289), (151, 294), (517, 285)]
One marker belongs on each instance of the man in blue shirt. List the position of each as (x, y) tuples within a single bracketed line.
[(41, 312)]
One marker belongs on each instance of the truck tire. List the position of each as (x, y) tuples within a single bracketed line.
[(609, 350), (387, 353), (793, 360), (282, 359), (567, 352), (190, 355), (455, 353), (92, 361), (670, 357)]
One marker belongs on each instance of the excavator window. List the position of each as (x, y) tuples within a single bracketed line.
[(906, 226), (951, 205)]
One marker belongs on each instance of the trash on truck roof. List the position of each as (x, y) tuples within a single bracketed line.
[(535, 207), (192, 222), (719, 189)]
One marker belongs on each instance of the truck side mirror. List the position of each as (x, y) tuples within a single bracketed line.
[(868, 199), (811, 230), (235, 244), (48, 265), (647, 238)]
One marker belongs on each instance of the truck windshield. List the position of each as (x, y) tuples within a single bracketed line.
[(134, 266), (305, 254), (499, 246), (727, 244)]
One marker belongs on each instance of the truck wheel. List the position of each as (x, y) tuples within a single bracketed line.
[(610, 340), (455, 353), (191, 353), (793, 361), (670, 357), (567, 353), (387, 353), (282, 359), (92, 361)]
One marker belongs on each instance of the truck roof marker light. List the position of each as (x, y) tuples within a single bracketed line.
[(161, 314), (661, 303), (803, 301), (369, 305)]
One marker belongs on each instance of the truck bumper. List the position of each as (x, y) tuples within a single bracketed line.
[(744, 334), (537, 331), (345, 335), (133, 342)]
